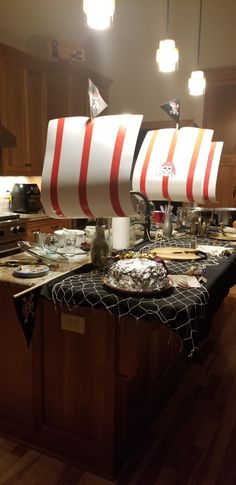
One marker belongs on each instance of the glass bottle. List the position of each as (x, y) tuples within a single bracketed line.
[(99, 248), (167, 227)]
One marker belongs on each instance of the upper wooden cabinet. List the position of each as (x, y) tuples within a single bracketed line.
[(220, 106), (23, 111), (220, 115), (67, 88), (32, 92)]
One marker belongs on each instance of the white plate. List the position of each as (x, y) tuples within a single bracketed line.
[(31, 271)]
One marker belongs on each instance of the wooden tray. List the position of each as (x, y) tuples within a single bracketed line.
[(221, 237), (179, 253)]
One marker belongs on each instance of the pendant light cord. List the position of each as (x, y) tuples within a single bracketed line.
[(199, 32), (167, 18)]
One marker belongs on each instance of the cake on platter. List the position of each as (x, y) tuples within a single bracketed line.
[(137, 276)]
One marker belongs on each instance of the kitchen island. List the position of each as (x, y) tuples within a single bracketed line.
[(91, 381)]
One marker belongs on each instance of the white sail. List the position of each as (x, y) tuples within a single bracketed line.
[(178, 165), (87, 166)]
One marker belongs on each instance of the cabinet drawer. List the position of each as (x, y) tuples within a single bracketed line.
[(46, 225)]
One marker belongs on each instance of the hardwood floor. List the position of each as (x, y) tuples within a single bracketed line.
[(192, 441)]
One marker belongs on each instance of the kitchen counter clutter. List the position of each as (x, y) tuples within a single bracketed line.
[(9, 264), (40, 222)]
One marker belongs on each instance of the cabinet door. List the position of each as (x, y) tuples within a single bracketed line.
[(16, 383), (46, 225), (23, 112), (36, 119), (13, 114), (226, 183), (67, 88)]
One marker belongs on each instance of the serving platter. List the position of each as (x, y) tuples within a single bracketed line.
[(178, 253), (121, 289)]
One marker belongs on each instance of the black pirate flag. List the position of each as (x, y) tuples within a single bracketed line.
[(25, 306), (172, 108), (96, 102)]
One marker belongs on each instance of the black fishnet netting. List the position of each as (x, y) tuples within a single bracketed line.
[(180, 309)]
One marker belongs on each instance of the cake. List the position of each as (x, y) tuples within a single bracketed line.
[(138, 275)]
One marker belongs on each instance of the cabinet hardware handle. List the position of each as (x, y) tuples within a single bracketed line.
[(234, 191), (27, 164)]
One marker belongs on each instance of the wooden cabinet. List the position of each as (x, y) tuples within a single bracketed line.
[(67, 87), (23, 111), (32, 92), (88, 385), (226, 182), (45, 225), (16, 380), (220, 115)]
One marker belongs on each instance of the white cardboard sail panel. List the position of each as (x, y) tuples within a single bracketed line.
[(179, 165), (87, 166)]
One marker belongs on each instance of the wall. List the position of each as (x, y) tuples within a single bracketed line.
[(126, 53)]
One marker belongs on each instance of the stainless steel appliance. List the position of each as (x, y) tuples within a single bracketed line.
[(12, 229), (197, 220), (26, 198)]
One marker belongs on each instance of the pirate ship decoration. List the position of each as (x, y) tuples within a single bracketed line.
[(88, 164)]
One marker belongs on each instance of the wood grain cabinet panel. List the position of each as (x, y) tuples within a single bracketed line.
[(220, 115), (23, 111), (16, 381), (46, 225), (89, 384), (67, 87)]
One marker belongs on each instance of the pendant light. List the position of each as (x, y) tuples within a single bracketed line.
[(167, 55), (99, 13), (197, 81)]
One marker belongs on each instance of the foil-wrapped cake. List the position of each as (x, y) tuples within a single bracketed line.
[(138, 275)]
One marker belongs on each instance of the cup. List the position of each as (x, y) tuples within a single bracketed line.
[(79, 237), (157, 217), (60, 237), (50, 242), (70, 238)]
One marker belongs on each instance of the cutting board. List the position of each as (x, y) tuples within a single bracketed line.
[(221, 237), (179, 254)]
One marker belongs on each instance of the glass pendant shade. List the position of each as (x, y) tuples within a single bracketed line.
[(197, 83), (99, 13), (167, 56)]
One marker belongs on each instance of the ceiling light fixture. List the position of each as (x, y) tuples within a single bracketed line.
[(99, 13), (197, 81), (167, 55)]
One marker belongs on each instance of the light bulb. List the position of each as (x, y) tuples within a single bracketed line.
[(197, 83), (99, 13), (167, 56)]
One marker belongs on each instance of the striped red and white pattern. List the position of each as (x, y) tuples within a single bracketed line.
[(87, 166), (179, 165)]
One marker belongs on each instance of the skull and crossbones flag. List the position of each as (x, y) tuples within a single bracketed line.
[(172, 108), (96, 102), (25, 306)]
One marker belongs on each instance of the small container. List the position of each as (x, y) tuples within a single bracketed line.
[(36, 237), (193, 243)]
